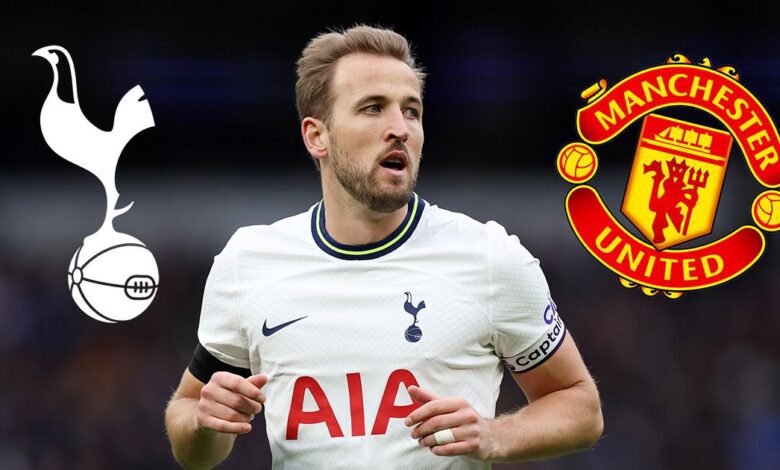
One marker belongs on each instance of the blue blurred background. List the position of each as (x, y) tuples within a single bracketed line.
[(692, 383)]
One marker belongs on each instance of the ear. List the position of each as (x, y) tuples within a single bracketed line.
[(315, 137)]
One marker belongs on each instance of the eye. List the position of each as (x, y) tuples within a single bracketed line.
[(413, 113), (372, 109)]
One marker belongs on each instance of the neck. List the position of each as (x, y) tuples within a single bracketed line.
[(351, 223)]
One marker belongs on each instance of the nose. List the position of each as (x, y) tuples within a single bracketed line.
[(398, 128)]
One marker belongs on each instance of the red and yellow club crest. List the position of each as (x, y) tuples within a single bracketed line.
[(676, 179)]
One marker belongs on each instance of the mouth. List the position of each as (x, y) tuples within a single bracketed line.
[(397, 161)]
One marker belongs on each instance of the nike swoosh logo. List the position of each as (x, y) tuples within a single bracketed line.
[(269, 331)]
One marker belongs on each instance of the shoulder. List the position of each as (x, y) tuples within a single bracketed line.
[(284, 232), (491, 238), (253, 249)]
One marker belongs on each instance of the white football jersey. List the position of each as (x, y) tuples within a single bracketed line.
[(342, 331)]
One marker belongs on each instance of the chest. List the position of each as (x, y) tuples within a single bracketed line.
[(353, 319)]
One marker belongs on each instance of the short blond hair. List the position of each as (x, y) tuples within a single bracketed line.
[(317, 63)]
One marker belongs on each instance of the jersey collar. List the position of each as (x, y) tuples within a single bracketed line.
[(372, 250)]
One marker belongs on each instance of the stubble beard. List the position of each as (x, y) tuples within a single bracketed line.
[(364, 186)]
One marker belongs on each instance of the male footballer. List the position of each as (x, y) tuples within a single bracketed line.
[(373, 327)]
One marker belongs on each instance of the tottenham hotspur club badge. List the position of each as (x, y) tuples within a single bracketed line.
[(674, 185), (113, 276), (413, 333)]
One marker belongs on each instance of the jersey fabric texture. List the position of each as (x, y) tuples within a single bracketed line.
[(342, 331)]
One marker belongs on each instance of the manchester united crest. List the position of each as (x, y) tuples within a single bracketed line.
[(676, 179)]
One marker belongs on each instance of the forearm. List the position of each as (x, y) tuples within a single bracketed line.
[(194, 448), (559, 423)]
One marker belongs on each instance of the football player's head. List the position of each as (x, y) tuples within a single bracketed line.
[(359, 98)]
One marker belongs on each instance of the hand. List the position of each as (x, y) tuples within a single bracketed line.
[(229, 402), (437, 413)]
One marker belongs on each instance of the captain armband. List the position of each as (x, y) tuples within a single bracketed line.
[(540, 350)]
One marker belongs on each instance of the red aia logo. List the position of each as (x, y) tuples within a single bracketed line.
[(324, 414)]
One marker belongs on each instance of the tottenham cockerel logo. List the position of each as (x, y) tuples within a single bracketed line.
[(112, 276), (676, 180), (413, 333)]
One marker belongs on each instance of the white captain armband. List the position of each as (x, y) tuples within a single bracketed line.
[(540, 350)]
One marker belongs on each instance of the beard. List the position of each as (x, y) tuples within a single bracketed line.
[(364, 185)]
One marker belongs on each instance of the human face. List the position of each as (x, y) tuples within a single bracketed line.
[(375, 132)]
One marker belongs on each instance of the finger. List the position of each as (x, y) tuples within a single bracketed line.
[(258, 380), (220, 425), (226, 413), (238, 384), (437, 423), (433, 408), (231, 400), (419, 395), (455, 448), (429, 440)]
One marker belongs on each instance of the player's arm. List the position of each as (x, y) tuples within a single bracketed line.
[(203, 420), (563, 415)]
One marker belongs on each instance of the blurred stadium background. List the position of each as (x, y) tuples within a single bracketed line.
[(693, 383)]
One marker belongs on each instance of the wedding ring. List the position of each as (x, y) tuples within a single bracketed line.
[(444, 436)]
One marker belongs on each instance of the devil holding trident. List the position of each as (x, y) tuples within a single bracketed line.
[(676, 191)]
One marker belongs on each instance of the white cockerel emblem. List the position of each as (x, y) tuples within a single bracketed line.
[(112, 276)]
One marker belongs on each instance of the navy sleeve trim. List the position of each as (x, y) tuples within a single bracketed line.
[(203, 365)]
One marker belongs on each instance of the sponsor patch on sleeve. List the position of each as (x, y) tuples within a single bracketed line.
[(540, 350)]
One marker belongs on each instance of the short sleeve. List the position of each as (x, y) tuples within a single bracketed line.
[(526, 326), (222, 342)]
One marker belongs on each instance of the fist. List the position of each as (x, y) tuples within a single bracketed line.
[(229, 402), (469, 431)]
